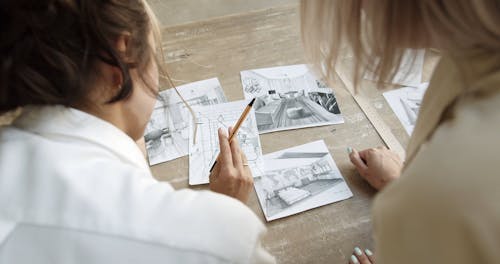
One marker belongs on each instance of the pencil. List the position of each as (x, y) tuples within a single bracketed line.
[(237, 126)]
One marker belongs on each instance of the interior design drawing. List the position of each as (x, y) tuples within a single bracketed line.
[(167, 131), (298, 179), (289, 97), (203, 153)]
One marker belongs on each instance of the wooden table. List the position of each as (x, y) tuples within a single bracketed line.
[(222, 47)]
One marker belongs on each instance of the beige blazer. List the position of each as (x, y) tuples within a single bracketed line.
[(445, 208)]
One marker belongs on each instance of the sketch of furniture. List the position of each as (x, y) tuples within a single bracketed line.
[(291, 195)]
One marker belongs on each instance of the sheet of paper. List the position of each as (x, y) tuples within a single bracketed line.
[(298, 179), (167, 132), (405, 102), (410, 73), (203, 153), (289, 97)]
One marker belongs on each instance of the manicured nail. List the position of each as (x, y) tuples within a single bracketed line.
[(358, 251), (354, 259), (368, 252), (349, 150)]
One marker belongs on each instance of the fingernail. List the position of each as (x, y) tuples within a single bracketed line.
[(222, 131), (349, 150), (368, 252), (358, 251), (354, 259)]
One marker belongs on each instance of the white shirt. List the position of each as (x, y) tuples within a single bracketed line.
[(76, 189)]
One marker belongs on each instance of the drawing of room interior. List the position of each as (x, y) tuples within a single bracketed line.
[(287, 98), (283, 188)]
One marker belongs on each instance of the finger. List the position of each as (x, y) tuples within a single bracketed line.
[(353, 260), (225, 158), (236, 152), (246, 168), (364, 154), (215, 172), (370, 255), (357, 161), (362, 258), (244, 158)]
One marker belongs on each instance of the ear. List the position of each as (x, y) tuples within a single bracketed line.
[(121, 45)]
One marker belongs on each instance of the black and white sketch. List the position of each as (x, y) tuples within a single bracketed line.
[(289, 97), (405, 102), (298, 179), (203, 153), (410, 70), (167, 132)]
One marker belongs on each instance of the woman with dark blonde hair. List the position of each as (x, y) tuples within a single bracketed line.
[(74, 186), (441, 206)]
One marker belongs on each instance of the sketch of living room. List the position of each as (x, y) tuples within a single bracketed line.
[(290, 101), (284, 188), (167, 132)]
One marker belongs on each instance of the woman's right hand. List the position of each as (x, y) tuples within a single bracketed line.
[(378, 166), (231, 175)]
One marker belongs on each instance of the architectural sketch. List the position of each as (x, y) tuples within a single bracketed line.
[(410, 72), (203, 153), (405, 102), (289, 97), (167, 132), (298, 179)]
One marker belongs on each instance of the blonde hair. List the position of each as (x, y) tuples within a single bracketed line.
[(377, 32)]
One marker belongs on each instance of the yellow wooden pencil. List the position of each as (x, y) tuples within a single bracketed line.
[(237, 126)]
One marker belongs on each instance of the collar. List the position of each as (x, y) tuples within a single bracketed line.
[(61, 121)]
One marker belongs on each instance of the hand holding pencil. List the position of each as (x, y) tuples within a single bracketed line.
[(230, 173)]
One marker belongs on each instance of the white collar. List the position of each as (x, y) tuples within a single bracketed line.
[(50, 121)]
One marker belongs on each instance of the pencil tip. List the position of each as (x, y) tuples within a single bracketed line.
[(251, 103)]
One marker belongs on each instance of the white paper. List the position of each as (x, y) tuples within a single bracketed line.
[(289, 97), (298, 179), (405, 102), (167, 132), (410, 72), (203, 153)]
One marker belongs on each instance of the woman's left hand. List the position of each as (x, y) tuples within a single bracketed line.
[(360, 257)]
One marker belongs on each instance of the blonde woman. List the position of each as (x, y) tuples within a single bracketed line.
[(442, 205), (74, 186)]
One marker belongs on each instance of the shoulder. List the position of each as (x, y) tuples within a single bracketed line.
[(91, 190), (461, 158), (448, 194)]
